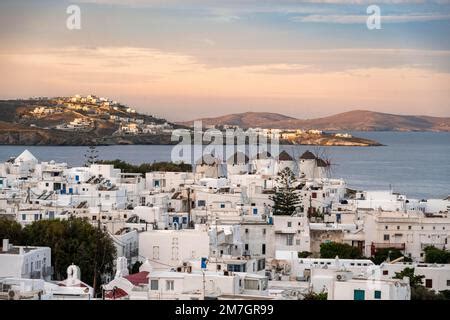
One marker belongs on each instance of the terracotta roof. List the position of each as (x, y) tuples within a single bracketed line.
[(116, 293), (308, 155), (284, 156), (138, 278)]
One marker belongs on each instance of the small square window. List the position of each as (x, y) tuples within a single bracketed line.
[(386, 237), (153, 284), (409, 227), (169, 285), (377, 294), (385, 272), (289, 224), (385, 227)]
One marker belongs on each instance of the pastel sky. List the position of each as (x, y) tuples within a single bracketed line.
[(183, 59)]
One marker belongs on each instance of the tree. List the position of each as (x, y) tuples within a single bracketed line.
[(148, 167), (329, 250), (135, 267), (418, 291), (91, 156), (10, 229), (414, 281), (304, 254), (315, 296), (74, 241), (286, 198), (392, 253), (435, 255)]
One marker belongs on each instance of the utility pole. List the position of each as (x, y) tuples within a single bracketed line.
[(189, 206)]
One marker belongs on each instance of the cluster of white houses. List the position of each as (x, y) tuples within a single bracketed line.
[(211, 233)]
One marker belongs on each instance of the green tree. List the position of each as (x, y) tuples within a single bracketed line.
[(435, 255), (286, 198), (10, 229), (414, 281), (135, 267), (91, 156), (304, 254), (392, 253), (329, 250), (315, 296), (418, 291), (74, 241), (148, 167)]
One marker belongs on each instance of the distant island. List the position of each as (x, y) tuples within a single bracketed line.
[(93, 120)]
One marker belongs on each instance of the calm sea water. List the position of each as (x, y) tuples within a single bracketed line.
[(414, 163)]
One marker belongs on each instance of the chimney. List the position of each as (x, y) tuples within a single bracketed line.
[(5, 246)]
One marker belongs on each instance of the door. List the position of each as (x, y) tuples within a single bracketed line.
[(359, 295)]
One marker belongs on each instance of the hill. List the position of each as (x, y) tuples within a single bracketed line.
[(358, 120)]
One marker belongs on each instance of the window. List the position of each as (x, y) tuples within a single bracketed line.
[(409, 227), (428, 283), (289, 239), (153, 284), (251, 284), (385, 272), (201, 203), (398, 227), (169, 285), (289, 224), (156, 252), (385, 227), (24, 217), (94, 218), (222, 205), (386, 237), (448, 283), (359, 295), (246, 246), (246, 230), (314, 195), (255, 210), (297, 242), (377, 294), (263, 248), (264, 232)]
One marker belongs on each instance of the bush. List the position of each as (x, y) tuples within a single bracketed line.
[(304, 254), (342, 250), (435, 255), (10, 229)]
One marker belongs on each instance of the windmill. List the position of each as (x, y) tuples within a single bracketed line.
[(324, 160)]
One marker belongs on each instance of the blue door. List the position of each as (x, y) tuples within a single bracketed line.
[(359, 295)]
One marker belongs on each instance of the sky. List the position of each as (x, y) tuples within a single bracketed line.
[(185, 59)]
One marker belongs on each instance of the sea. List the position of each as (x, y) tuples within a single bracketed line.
[(413, 163)]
